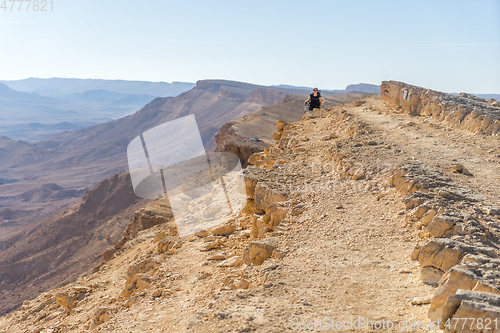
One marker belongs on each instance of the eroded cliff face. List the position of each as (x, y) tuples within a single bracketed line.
[(339, 204), (465, 111)]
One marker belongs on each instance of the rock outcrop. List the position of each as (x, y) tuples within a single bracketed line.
[(462, 253), (465, 111), (463, 240), (158, 212)]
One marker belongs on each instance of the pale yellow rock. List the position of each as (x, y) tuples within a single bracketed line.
[(157, 293), (128, 290), (420, 211), (439, 225), (427, 217), (67, 301), (422, 300), (440, 253), (135, 271), (202, 233), (102, 315), (453, 280), (359, 174), (143, 283), (171, 251), (258, 251), (224, 230), (242, 284), (246, 233), (478, 307), (280, 126), (211, 245), (82, 289), (218, 256), (231, 262), (277, 254), (166, 244), (431, 275)]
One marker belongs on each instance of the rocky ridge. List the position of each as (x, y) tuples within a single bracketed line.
[(337, 207), (465, 111)]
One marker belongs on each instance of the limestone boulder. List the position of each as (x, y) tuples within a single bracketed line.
[(431, 275), (258, 251), (477, 273), (440, 224), (224, 230), (210, 245), (479, 308), (102, 315), (440, 253)]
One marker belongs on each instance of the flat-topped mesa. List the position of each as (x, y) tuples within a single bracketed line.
[(464, 111)]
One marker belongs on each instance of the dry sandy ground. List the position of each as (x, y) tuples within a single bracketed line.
[(347, 248)]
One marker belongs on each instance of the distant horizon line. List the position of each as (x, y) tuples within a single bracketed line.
[(78, 78), (187, 82), (221, 79)]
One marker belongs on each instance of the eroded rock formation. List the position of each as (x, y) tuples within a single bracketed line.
[(464, 111)]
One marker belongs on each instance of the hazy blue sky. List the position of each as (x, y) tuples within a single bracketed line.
[(450, 45)]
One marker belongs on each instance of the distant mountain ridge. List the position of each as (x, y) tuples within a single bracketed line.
[(8, 93), (57, 87), (77, 101), (488, 96), (101, 96), (364, 88)]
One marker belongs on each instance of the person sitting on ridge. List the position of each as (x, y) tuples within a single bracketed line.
[(315, 101)]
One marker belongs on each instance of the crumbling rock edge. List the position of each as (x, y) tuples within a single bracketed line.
[(465, 111)]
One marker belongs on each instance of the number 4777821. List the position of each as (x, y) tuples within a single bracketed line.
[(27, 5)]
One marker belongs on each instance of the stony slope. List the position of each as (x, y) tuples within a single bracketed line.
[(339, 206), (53, 175)]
